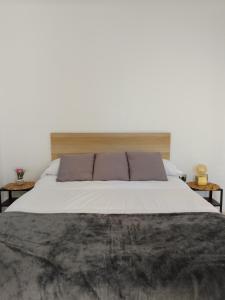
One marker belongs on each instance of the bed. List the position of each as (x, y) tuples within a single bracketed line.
[(111, 240)]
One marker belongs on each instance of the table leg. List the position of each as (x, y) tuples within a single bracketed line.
[(221, 200), (210, 196), (0, 201), (10, 195)]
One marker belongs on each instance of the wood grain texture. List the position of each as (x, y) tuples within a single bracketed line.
[(71, 143), (208, 187), (13, 186)]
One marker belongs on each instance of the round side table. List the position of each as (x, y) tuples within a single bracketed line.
[(210, 187), (14, 187)]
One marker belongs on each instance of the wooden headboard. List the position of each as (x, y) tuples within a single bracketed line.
[(69, 143)]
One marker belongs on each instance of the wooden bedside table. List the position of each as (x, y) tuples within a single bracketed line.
[(14, 187), (210, 187)]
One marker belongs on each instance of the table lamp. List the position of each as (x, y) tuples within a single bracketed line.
[(202, 176)]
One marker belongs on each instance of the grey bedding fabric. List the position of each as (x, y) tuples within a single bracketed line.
[(76, 167), (146, 166), (110, 257)]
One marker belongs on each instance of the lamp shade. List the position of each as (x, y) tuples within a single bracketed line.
[(201, 170)]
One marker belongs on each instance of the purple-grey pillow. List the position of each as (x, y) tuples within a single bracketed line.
[(111, 166), (146, 166), (76, 167)]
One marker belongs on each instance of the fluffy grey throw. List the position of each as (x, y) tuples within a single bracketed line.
[(111, 257)]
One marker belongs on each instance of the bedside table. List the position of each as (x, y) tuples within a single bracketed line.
[(14, 187), (210, 187)]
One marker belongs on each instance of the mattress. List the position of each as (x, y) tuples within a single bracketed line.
[(111, 197)]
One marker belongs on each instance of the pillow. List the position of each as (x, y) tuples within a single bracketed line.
[(111, 166), (146, 166), (53, 168), (76, 167), (171, 169)]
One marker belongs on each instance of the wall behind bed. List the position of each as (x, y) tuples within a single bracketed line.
[(112, 66)]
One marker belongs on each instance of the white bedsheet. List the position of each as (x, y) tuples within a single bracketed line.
[(111, 197)]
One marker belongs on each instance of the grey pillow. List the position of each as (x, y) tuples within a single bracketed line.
[(111, 166), (146, 166), (76, 167)]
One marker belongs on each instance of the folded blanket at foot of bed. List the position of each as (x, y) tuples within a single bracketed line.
[(111, 257)]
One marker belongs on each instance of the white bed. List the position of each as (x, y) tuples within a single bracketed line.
[(111, 239), (111, 197)]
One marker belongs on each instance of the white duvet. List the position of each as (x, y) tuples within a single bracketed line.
[(111, 197)]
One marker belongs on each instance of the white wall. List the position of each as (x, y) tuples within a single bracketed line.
[(112, 66), (1, 158)]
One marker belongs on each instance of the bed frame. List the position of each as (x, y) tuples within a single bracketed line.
[(70, 143)]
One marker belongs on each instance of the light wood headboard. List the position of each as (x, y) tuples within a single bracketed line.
[(69, 143)]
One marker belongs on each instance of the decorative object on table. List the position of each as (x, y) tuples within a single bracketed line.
[(14, 187), (20, 173), (202, 176), (210, 188)]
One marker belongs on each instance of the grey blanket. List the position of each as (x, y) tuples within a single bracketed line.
[(110, 257)]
